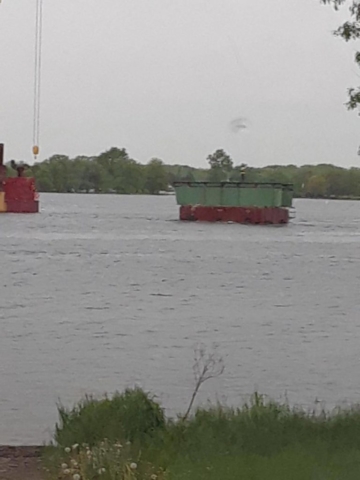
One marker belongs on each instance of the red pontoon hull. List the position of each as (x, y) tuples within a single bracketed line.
[(245, 215)]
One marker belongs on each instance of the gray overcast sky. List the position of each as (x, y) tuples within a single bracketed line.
[(165, 78)]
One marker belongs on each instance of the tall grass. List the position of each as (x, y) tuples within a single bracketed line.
[(132, 415), (259, 440)]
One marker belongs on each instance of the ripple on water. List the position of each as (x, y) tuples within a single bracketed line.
[(102, 292)]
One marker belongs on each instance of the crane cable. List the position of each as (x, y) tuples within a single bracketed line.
[(37, 76)]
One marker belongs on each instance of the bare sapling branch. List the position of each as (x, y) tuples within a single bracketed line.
[(206, 366)]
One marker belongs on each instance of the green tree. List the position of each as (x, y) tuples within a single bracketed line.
[(350, 30), (336, 182), (44, 181), (128, 176), (189, 176), (221, 166), (274, 173), (109, 159), (59, 168), (352, 181), (79, 181), (93, 176), (316, 186), (216, 174), (155, 177), (220, 159)]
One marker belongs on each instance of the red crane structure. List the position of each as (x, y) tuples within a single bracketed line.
[(18, 193)]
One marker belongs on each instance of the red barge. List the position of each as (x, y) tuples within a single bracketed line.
[(17, 194), (237, 202)]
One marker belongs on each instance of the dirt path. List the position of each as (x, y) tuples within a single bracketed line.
[(20, 463)]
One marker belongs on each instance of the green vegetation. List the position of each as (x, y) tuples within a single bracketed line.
[(115, 172), (261, 439), (310, 181), (112, 171), (133, 415), (350, 30)]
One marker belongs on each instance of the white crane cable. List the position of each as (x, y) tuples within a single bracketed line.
[(37, 75)]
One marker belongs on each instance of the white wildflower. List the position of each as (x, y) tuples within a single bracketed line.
[(128, 443), (133, 466), (75, 446), (74, 463), (76, 476), (101, 471), (67, 450), (67, 471), (153, 477), (64, 466)]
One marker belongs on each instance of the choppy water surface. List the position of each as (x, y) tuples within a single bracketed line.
[(103, 292)]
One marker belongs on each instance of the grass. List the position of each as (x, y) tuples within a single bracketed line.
[(294, 464), (261, 440), (132, 415)]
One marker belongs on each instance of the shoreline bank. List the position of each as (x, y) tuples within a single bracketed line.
[(20, 462)]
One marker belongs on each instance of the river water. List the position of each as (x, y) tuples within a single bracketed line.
[(103, 292)]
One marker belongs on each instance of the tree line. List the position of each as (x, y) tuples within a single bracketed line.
[(114, 171), (309, 181)]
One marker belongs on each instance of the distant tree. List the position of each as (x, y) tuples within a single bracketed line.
[(273, 174), (93, 176), (59, 170), (128, 176), (220, 159), (10, 172), (350, 30), (156, 179), (111, 157), (216, 175), (336, 182), (221, 166), (251, 174), (43, 178), (352, 182), (189, 176), (316, 186)]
